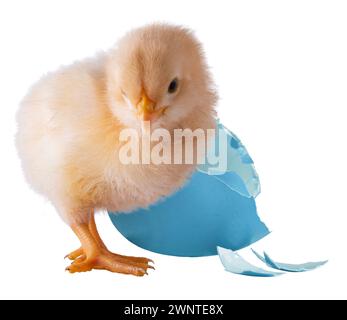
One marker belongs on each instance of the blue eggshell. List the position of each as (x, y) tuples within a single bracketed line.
[(204, 214), (301, 267), (213, 209), (237, 158), (234, 263)]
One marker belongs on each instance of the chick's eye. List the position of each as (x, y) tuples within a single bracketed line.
[(173, 86)]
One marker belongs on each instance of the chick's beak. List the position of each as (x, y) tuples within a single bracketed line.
[(146, 109)]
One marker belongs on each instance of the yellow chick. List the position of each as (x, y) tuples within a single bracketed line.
[(69, 126)]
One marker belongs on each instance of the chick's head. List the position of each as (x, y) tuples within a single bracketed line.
[(158, 73)]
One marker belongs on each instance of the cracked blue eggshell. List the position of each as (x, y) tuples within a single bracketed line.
[(289, 267), (214, 208), (234, 263)]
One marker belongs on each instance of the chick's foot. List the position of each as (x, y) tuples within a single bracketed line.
[(105, 260), (79, 254)]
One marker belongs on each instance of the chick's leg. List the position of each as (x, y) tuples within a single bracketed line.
[(79, 253), (93, 229), (94, 255)]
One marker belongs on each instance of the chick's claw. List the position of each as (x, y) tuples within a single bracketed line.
[(114, 263), (74, 254), (79, 267), (79, 259), (80, 254)]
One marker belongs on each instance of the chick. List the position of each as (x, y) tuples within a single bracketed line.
[(70, 121)]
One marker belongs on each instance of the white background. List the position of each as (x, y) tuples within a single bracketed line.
[(281, 69)]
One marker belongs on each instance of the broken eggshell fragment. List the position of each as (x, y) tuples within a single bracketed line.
[(300, 267)]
